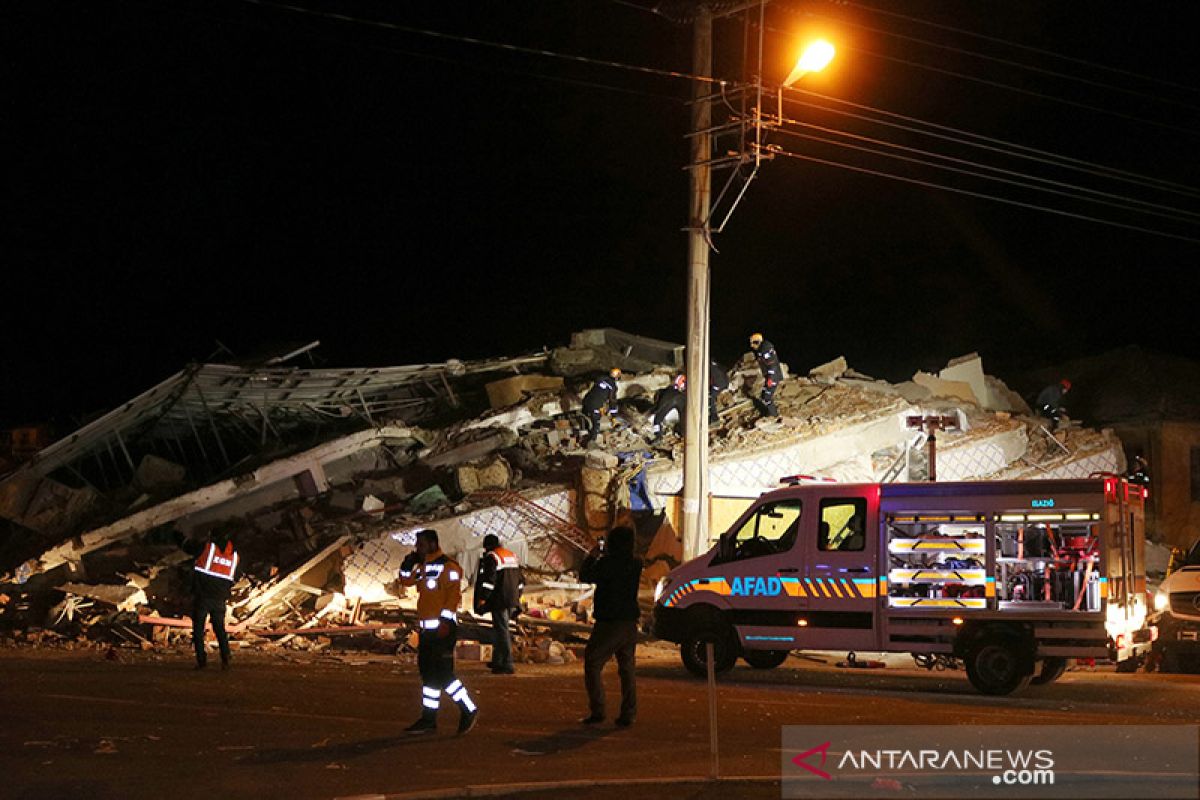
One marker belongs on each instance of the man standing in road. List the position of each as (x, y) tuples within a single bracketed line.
[(213, 573), (616, 573), (438, 580), (498, 587)]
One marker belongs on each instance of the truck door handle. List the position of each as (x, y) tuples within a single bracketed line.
[(788, 569), (858, 569)]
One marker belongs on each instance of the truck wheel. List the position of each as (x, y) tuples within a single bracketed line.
[(998, 665), (765, 659), (1129, 665), (1052, 669), (694, 653)]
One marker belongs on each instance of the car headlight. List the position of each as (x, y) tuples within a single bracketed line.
[(1161, 601), (659, 588)]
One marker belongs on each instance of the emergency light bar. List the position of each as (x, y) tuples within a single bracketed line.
[(796, 480)]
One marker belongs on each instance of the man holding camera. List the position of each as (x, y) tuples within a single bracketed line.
[(437, 578)]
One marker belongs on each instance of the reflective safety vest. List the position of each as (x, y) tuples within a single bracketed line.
[(506, 559), (218, 563)]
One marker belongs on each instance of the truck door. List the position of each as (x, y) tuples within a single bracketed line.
[(759, 567), (841, 579)]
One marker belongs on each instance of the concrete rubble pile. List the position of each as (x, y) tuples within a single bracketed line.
[(327, 505)]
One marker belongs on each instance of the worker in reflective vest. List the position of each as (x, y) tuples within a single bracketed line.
[(213, 573), (438, 580), (498, 587)]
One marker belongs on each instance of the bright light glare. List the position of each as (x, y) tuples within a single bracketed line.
[(814, 59)]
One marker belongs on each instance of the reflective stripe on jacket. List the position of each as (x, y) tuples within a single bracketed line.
[(218, 563), (439, 589)]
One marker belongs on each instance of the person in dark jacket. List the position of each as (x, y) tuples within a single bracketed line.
[(718, 381), (672, 398), (213, 574), (1049, 402), (602, 394), (498, 587), (616, 573), (768, 363)]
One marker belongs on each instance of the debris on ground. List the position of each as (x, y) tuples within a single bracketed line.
[(325, 475)]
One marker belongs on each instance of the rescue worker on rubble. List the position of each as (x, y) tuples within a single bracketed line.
[(672, 398), (1138, 471), (602, 394), (768, 363), (437, 578), (617, 572), (1049, 402), (213, 573), (498, 587), (718, 381)]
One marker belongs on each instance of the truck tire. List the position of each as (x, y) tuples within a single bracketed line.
[(765, 659), (1052, 669), (694, 653), (999, 665), (1129, 665)]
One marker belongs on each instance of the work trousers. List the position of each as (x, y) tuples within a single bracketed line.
[(501, 639), (611, 638), (435, 662), (677, 403), (768, 398), (204, 608), (593, 417)]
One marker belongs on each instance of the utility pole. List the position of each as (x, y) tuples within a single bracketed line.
[(695, 451)]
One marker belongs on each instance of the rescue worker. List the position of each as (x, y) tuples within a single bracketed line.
[(1049, 402), (603, 393), (616, 572), (718, 381), (213, 573), (1139, 471), (437, 578), (768, 363), (498, 587), (672, 398)]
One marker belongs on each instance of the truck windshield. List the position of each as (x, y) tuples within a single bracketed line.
[(771, 529)]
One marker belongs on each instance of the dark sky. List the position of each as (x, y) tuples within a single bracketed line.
[(187, 172)]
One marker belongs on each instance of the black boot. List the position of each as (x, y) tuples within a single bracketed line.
[(425, 724)]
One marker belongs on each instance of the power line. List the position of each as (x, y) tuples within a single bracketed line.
[(994, 144), (1010, 43), (985, 196), (995, 59), (1127, 203), (1009, 87), (982, 175), (513, 48), (1029, 92)]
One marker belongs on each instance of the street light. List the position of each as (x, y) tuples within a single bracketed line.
[(815, 58)]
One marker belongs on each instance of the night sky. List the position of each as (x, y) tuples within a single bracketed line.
[(183, 173)]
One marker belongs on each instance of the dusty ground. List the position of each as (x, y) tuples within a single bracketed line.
[(79, 726)]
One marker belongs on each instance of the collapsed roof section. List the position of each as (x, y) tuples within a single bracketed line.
[(215, 420)]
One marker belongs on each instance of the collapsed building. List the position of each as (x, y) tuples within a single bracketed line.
[(326, 475)]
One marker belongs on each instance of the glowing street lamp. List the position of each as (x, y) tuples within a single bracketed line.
[(814, 59)]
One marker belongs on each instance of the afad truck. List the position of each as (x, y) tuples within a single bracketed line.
[(1014, 578)]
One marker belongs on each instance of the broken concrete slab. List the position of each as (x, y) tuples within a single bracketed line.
[(476, 448), (510, 391), (158, 473), (957, 390), (493, 473), (968, 369), (276, 473), (829, 371)]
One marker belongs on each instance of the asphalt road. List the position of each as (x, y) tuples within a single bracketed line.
[(76, 725)]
